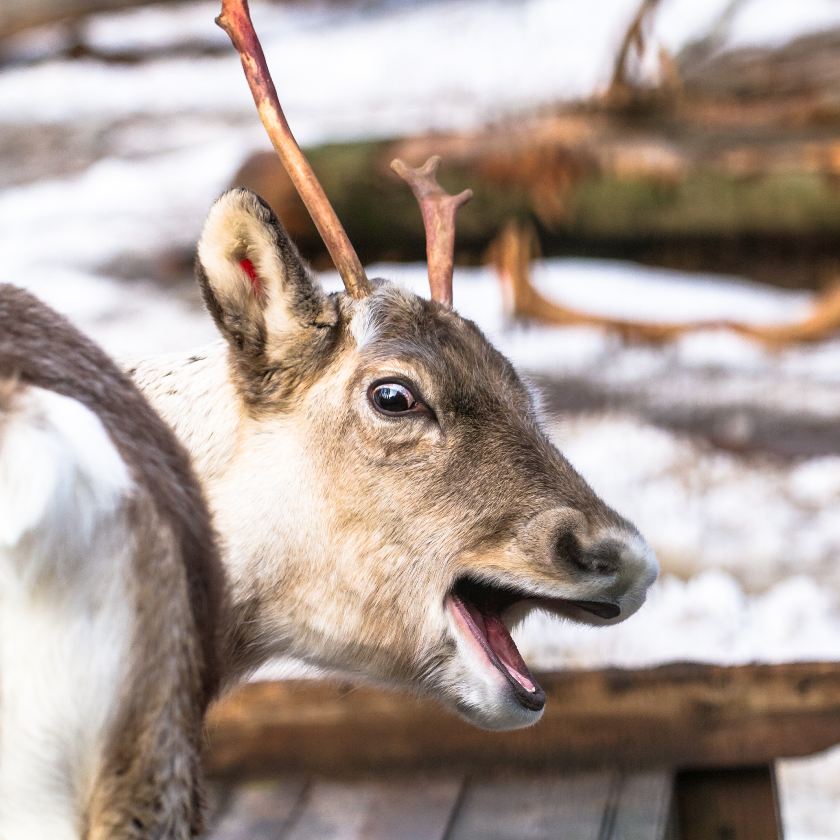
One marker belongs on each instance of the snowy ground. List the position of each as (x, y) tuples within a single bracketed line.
[(701, 443)]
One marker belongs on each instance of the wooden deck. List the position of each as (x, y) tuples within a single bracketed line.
[(589, 806), (689, 752)]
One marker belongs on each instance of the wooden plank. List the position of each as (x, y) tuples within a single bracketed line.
[(538, 808), (728, 804), (674, 715), (256, 810), (415, 808), (640, 807)]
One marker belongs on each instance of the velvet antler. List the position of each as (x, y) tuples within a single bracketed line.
[(438, 209), (235, 19)]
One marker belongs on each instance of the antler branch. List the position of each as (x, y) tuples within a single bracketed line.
[(512, 253), (438, 209), (515, 247), (634, 39), (235, 19)]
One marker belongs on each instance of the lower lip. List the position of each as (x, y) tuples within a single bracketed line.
[(533, 700)]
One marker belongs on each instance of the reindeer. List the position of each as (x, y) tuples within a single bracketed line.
[(111, 596), (388, 502)]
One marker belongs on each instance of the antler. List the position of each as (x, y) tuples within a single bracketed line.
[(438, 209), (515, 247), (235, 19), (512, 253)]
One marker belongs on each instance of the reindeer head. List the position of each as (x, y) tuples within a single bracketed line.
[(393, 500), (392, 505)]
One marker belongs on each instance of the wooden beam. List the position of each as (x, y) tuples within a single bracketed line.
[(728, 804), (681, 715)]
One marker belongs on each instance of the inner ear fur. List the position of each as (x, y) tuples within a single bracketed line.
[(264, 298)]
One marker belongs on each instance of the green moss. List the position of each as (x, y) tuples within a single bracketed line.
[(707, 203), (380, 213)]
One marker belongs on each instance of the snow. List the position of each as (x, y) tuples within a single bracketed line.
[(748, 543), (706, 618), (399, 67), (116, 207), (767, 23), (705, 509), (349, 94)]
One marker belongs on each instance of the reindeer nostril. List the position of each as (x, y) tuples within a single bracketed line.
[(567, 549), (603, 557), (570, 540)]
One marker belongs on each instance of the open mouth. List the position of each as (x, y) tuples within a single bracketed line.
[(479, 610)]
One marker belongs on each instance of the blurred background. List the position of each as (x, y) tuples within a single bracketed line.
[(653, 240)]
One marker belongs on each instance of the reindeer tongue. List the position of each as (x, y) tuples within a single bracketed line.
[(505, 648), (491, 632)]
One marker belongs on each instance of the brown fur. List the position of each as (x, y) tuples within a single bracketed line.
[(42, 348), (9, 389), (457, 491), (149, 783), (179, 597)]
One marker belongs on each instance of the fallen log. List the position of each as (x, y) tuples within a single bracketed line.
[(681, 188)]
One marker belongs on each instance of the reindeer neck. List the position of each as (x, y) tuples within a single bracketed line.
[(194, 395)]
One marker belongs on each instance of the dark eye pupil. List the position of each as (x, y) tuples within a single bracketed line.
[(392, 398)]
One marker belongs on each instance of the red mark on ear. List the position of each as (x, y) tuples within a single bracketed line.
[(248, 267)]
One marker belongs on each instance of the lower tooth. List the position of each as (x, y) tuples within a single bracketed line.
[(525, 683)]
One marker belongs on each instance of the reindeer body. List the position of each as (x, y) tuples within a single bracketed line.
[(111, 596)]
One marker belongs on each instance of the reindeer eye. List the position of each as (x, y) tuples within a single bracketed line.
[(393, 398)]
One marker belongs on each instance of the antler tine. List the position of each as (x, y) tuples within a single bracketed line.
[(235, 19), (438, 209)]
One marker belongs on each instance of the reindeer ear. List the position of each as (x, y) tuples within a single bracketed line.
[(261, 294)]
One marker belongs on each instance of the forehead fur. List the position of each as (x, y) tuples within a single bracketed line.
[(396, 323)]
